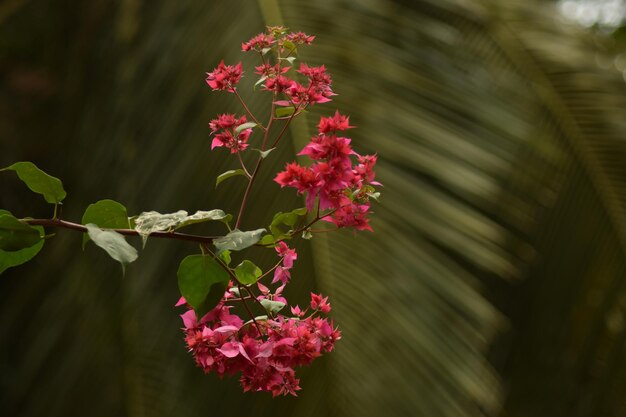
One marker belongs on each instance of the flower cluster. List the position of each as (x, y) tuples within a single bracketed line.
[(222, 343), (229, 135), (231, 339), (224, 77), (333, 180)]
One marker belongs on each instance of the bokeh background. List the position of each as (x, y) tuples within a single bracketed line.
[(494, 285)]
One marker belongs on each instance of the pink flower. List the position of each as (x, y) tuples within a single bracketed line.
[(278, 84), (297, 176), (265, 363), (288, 255), (320, 303), (333, 124), (258, 42), (300, 38), (270, 70), (229, 137), (224, 77), (281, 274)]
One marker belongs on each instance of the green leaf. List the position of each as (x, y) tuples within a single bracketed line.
[(285, 111), (247, 272), (238, 240), (289, 59), (272, 307), (225, 175), (265, 50), (263, 153), (113, 243), (288, 219), (38, 181), (106, 214), (307, 235), (202, 281), (9, 259), (16, 235), (225, 257), (267, 240), (244, 126), (289, 45)]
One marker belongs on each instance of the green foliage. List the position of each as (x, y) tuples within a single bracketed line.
[(202, 281), (271, 306), (284, 111), (106, 214), (113, 243), (228, 174), (244, 126), (247, 272), (238, 240), (38, 181), (263, 154), (15, 234), (10, 258), (285, 219)]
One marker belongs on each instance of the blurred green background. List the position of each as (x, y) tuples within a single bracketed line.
[(494, 285)]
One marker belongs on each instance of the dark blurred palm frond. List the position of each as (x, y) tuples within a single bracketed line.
[(501, 147)]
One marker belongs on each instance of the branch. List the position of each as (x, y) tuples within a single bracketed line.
[(127, 232)]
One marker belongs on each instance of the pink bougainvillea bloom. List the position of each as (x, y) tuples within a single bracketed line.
[(228, 136), (319, 303), (301, 95), (281, 274), (334, 123), (296, 311), (364, 171), (317, 75), (226, 121), (269, 70), (300, 38), (278, 84), (222, 344), (224, 77), (258, 42), (351, 215), (289, 255), (297, 176)]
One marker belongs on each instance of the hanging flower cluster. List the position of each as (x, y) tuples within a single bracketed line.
[(222, 343)]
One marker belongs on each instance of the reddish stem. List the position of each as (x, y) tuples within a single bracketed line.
[(128, 232)]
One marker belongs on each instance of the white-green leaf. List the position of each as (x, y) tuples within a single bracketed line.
[(113, 243), (272, 306), (263, 153), (204, 216), (238, 240), (152, 221)]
